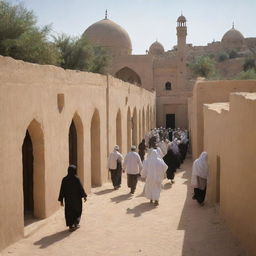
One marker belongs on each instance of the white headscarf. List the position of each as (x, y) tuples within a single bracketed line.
[(200, 166), (154, 167)]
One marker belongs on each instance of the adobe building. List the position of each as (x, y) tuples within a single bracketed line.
[(51, 118), (230, 139), (166, 72)]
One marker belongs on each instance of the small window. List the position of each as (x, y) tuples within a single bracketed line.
[(168, 86)]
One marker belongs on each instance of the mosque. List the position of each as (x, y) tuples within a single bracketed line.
[(165, 72)]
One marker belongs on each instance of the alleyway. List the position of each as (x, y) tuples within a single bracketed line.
[(116, 224)]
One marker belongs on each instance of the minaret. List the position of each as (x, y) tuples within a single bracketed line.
[(181, 51)]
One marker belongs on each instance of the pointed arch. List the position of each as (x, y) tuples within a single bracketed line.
[(128, 129), (128, 75), (95, 150), (134, 127), (33, 162), (76, 145), (119, 129)]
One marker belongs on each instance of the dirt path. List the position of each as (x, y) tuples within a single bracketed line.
[(116, 224)]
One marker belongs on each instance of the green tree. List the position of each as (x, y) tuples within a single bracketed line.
[(20, 38), (203, 66), (223, 56), (250, 74), (249, 63), (78, 53), (232, 54)]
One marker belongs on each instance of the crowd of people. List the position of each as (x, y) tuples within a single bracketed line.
[(160, 154)]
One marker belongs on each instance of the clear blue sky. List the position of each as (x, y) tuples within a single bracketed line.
[(148, 20)]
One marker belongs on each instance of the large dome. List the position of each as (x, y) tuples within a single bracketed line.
[(109, 35), (233, 39), (156, 48)]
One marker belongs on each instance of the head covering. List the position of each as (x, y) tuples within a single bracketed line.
[(72, 170), (116, 147), (200, 166), (133, 147)]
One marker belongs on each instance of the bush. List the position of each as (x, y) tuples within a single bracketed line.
[(223, 56), (203, 66), (247, 75), (249, 63)]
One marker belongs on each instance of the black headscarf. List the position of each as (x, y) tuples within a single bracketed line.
[(72, 170)]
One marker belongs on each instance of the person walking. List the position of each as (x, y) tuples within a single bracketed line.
[(115, 167), (153, 171), (142, 149), (199, 177), (72, 192), (132, 165)]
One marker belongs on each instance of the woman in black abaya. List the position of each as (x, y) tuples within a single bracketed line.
[(72, 192)]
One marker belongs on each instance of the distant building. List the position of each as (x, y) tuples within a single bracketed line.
[(163, 71)]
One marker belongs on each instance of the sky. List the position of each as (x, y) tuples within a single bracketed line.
[(149, 20)]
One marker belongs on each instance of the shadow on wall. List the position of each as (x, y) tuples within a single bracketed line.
[(204, 233)]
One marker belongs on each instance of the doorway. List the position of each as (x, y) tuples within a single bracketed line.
[(170, 121), (72, 144), (28, 177)]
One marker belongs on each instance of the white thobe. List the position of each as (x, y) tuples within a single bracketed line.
[(153, 170), (112, 160), (132, 163)]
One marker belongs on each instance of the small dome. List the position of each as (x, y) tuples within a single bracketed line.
[(181, 19), (109, 35), (233, 38), (156, 48)]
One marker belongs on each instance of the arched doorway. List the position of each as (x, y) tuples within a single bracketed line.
[(72, 136), (119, 130), (128, 130), (33, 166), (28, 173), (134, 128), (95, 150), (76, 145)]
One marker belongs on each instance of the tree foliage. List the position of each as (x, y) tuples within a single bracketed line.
[(250, 74), (249, 63), (78, 53), (20, 38), (203, 66)]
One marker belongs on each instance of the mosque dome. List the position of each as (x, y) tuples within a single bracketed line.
[(156, 48), (109, 35), (233, 38), (181, 19)]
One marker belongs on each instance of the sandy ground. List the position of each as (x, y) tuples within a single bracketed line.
[(116, 224)]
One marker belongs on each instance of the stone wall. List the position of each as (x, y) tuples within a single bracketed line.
[(230, 139), (43, 101)]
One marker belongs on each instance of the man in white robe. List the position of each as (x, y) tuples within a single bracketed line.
[(132, 165), (115, 167), (153, 171)]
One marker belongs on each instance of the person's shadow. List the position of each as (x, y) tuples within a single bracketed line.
[(51, 239), (140, 209), (121, 198), (103, 192)]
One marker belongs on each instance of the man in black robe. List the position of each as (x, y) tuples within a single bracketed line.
[(72, 192), (142, 149)]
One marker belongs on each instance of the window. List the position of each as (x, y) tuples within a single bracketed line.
[(168, 86)]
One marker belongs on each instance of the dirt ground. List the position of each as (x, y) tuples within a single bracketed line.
[(114, 223)]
